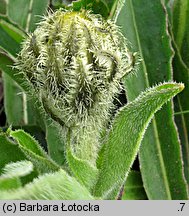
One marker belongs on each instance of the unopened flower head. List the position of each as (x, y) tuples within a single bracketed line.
[(74, 62)]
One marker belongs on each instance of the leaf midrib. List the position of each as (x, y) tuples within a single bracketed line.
[(29, 16), (157, 141), (28, 21), (113, 14)]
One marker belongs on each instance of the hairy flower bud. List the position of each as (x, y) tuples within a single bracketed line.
[(75, 62)]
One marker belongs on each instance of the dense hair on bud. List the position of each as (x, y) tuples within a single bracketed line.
[(75, 62)]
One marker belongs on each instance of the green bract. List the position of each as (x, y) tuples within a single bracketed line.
[(75, 62)]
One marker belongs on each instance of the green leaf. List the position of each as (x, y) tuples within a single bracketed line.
[(10, 41), (13, 31), (84, 172), (133, 189), (55, 142), (11, 37), (18, 169), (34, 131), (14, 102), (16, 105), (180, 28), (7, 148), (56, 186), (9, 183), (34, 152), (12, 172), (181, 74), (6, 63), (19, 110), (126, 135), (9, 153), (109, 9), (160, 156), (30, 11)]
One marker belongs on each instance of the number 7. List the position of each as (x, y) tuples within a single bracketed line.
[(183, 204)]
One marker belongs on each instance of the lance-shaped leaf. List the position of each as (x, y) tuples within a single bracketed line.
[(14, 101), (56, 186), (160, 153), (178, 27), (181, 105), (19, 110), (126, 135), (10, 41), (17, 106), (32, 150)]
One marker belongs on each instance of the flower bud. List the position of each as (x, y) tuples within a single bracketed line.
[(75, 61)]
